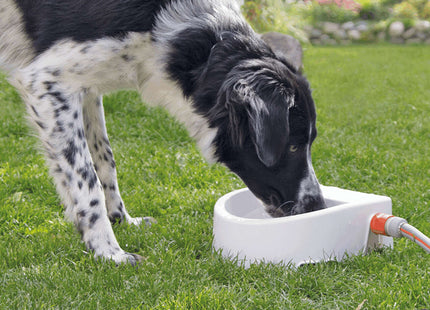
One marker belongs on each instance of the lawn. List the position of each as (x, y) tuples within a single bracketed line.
[(373, 107)]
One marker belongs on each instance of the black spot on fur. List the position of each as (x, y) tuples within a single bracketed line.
[(61, 109), (88, 174), (83, 172), (93, 219), (58, 97), (35, 111), (106, 141), (94, 202), (82, 213), (41, 125), (58, 127), (70, 153), (80, 184), (49, 85), (56, 72), (127, 58), (92, 180), (80, 134)]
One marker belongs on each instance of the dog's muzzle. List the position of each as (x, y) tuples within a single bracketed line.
[(305, 204)]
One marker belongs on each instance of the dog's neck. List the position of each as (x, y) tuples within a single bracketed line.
[(181, 52)]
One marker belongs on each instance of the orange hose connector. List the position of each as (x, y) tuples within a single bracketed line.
[(377, 224), (393, 226)]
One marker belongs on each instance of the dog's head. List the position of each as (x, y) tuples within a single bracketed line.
[(265, 117), (263, 113), (269, 133)]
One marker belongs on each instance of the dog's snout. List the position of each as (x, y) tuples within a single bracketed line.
[(308, 204), (278, 207)]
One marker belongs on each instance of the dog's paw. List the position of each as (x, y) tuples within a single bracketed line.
[(148, 221), (118, 217), (124, 258), (132, 259)]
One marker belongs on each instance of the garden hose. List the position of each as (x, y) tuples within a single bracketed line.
[(393, 226)]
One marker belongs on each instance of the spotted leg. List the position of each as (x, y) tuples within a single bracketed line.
[(55, 107), (104, 163)]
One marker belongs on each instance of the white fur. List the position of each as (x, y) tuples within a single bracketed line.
[(103, 70), (309, 186)]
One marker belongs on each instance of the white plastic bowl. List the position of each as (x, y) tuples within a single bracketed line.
[(243, 230)]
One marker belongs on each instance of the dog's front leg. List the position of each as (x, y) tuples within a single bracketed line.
[(56, 110), (104, 163)]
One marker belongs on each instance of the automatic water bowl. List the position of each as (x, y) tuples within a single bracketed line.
[(244, 231)]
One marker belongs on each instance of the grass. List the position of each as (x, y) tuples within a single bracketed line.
[(374, 132)]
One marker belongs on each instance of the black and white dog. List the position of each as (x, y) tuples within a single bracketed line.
[(246, 107)]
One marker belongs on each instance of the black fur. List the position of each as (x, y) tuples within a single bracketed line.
[(209, 67), (47, 21)]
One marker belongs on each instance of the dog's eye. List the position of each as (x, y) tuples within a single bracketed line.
[(293, 148)]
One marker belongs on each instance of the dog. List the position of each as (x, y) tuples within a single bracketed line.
[(247, 107)]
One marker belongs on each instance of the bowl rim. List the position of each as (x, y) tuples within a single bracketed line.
[(221, 210)]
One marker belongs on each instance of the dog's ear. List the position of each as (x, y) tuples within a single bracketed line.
[(268, 121), (271, 130)]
